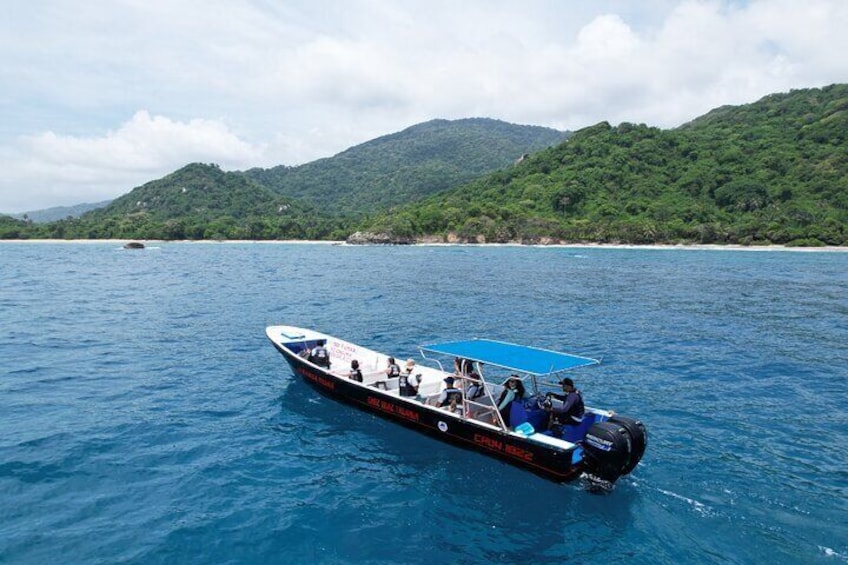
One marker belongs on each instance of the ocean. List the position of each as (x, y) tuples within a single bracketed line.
[(145, 418)]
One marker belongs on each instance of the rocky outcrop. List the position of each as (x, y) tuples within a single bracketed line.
[(371, 238), (381, 238)]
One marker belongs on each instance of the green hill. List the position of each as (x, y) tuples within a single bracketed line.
[(775, 171), (197, 202), (12, 228), (318, 200), (408, 165)]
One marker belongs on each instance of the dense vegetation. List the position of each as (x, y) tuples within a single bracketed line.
[(771, 172), (408, 165), (775, 171), (319, 200), (197, 202), (12, 228)]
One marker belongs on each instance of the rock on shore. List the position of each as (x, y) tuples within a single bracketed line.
[(371, 238)]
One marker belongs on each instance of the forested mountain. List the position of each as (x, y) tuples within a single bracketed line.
[(773, 171), (408, 165), (319, 200)]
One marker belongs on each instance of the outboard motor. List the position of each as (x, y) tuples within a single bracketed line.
[(638, 439), (613, 448)]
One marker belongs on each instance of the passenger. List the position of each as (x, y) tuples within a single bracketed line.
[(410, 366), (462, 367), (514, 390), (355, 373), (319, 354), (474, 386), (407, 384), (392, 369), (450, 396), (571, 410)]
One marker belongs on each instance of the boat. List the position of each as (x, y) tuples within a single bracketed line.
[(599, 450), (134, 245)]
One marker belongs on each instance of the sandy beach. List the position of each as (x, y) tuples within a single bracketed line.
[(670, 247)]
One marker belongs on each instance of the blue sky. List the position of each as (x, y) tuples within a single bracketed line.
[(99, 97)]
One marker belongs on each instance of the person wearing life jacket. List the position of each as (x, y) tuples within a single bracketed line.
[(355, 373), (513, 390), (392, 369), (319, 355), (474, 386), (450, 395), (570, 412), (407, 384)]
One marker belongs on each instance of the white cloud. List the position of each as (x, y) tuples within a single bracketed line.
[(69, 169), (250, 83), (144, 143)]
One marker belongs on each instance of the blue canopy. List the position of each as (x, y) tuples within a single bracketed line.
[(521, 358)]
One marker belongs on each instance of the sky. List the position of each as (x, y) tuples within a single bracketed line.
[(101, 96)]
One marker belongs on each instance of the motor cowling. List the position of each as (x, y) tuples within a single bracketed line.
[(638, 439), (614, 447), (606, 449)]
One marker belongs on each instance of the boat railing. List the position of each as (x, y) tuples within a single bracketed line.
[(483, 408), (481, 412)]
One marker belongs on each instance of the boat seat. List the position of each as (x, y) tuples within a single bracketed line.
[(371, 377), (578, 432), (519, 414), (386, 384)]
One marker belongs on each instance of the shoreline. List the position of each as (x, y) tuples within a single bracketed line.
[(653, 246)]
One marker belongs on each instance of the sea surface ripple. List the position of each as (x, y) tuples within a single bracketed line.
[(146, 419)]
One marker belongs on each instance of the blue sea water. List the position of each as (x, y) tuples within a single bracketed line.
[(145, 418)]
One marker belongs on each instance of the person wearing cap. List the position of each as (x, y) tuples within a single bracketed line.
[(450, 396), (570, 412), (407, 385)]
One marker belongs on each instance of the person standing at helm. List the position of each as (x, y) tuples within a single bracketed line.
[(570, 413)]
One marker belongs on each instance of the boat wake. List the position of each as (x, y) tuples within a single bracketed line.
[(699, 507), (595, 485), (828, 552)]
